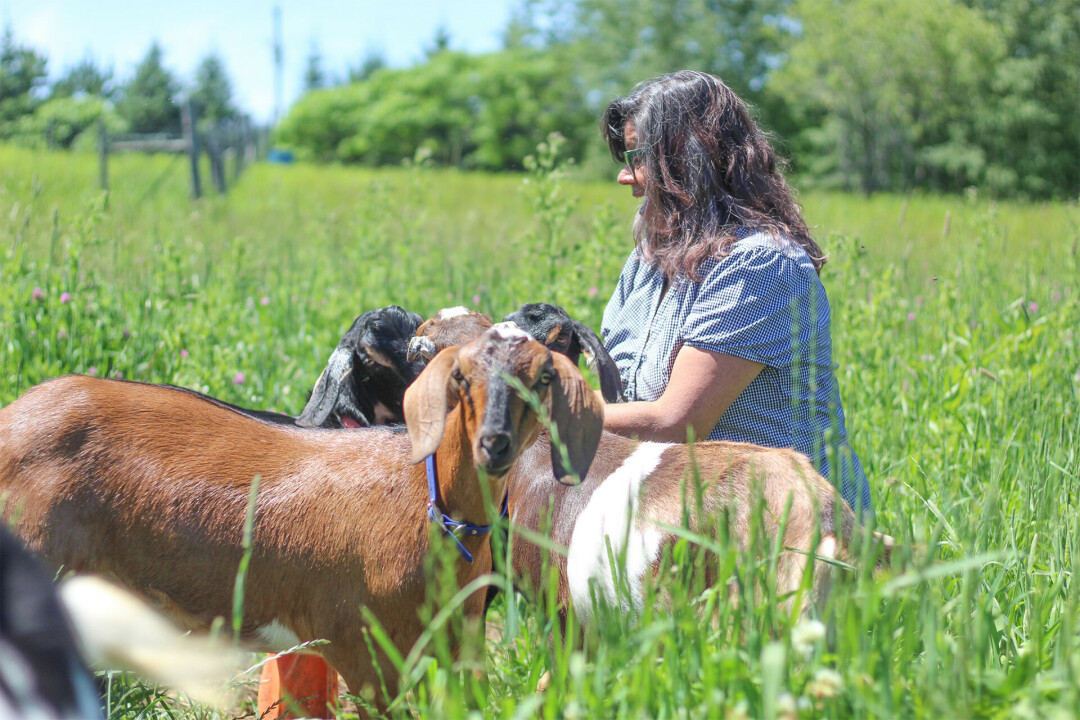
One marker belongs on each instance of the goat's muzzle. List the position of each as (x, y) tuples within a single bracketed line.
[(495, 452)]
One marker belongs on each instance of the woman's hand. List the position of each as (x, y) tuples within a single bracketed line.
[(703, 385)]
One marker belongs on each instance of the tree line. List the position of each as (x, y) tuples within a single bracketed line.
[(35, 112), (867, 95)]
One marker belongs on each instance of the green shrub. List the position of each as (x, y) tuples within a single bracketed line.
[(66, 119), (486, 111)]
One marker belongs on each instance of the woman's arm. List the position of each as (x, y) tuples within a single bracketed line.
[(703, 385)]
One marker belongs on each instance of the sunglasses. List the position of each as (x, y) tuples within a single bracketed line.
[(633, 157)]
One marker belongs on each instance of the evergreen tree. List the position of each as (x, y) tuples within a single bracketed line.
[(148, 100), (84, 78), (373, 60), (439, 43), (22, 70), (314, 75), (213, 90)]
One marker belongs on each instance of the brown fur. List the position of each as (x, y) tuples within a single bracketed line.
[(733, 474), (149, 485)]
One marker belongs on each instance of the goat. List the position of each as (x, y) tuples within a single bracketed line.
[(49, 632), (150, 486), (552, 326), (43, 675), (635, 488), (363, 381), (449, 327), (366, 376)]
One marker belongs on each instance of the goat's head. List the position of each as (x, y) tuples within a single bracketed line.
[(552, 326), (367, 373), (497, 419), (449, 327)]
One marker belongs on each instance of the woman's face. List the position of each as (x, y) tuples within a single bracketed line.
[(633, 174)]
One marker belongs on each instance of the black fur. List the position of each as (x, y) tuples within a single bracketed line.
[(356, 380), (550, 325)]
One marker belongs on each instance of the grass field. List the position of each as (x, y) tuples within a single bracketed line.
[(956, 329)]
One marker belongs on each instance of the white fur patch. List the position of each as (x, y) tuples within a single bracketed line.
[(509, 331), (276, 637), (827, 548), (611, 518), (447, 313)]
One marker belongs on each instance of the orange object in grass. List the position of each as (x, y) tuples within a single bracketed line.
[(298, 686)]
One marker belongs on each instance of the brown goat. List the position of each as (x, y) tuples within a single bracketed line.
[(149, 485), (635, 488)]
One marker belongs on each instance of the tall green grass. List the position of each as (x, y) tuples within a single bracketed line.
[(956, 331)]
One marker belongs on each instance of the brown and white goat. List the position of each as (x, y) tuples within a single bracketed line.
[(149, 485), (634, 489)]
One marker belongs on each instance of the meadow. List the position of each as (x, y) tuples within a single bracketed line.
[(956, 332)]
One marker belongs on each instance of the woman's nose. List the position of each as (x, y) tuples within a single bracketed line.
[(626, 176)]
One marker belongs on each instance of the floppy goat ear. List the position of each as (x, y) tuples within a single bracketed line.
[(427, 401), (578, 416), (599, 360), (328, 388)]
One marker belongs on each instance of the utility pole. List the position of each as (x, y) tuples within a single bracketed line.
[(279, 65)]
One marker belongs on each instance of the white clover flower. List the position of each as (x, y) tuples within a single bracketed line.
[(827, 683), (806, 635), (786, 707), (741, 711)]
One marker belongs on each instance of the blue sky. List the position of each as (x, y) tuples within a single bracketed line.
[(117, 33)]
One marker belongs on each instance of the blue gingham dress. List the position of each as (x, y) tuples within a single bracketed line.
[(763, 302)]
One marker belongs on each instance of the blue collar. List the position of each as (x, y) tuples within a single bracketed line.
[(449, 525)]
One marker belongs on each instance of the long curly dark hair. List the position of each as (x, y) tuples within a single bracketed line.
[(709, 171)]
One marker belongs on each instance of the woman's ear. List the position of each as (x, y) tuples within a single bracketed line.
[(426, 403), (578, 416)]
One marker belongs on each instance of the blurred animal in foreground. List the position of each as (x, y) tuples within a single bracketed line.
[(45, 633)]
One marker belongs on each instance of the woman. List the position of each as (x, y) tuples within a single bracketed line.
[(719, 324)]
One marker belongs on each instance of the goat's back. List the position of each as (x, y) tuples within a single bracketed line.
[(150, 485), (733, 478)]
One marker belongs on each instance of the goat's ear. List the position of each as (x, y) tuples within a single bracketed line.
[(599, 360), (578, 416), (426, 403), (328, 388)]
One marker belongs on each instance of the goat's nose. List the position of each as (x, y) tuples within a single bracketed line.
[(496, 445)]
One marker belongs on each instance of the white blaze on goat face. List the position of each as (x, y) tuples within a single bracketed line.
[(276, 637), (447, 313), (611, 517), (509, 331)]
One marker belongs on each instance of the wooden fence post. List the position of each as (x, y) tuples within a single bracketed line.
[(239, 130), (191, 135), (103, 154), (213, 149)]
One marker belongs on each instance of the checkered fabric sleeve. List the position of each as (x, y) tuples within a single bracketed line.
[(749, 306)]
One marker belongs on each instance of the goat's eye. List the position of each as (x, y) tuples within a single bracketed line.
[(544, 379), (458, 377)]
